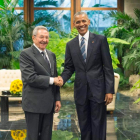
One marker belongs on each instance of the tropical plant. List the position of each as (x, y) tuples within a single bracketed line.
[(10, 31), (16, 34), (112, 42), (128, 29), (136, 86)]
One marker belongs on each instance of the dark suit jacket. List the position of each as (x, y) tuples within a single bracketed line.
[(38, 96), (97, 73)]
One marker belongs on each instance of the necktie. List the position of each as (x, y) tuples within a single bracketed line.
[(82, 48), (47, 61)]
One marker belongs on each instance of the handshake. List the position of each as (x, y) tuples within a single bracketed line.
[(58, 81)]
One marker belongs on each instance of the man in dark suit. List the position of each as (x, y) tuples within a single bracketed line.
[(40, 96), (88, 56)]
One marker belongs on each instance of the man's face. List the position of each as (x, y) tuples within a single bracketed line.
[(41, 39), (81, 23)]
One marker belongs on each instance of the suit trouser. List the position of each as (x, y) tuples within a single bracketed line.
[(92, 119), (39, 126)]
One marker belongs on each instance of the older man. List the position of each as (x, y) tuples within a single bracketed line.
[(40, 95)]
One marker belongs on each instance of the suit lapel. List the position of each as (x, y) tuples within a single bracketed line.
[(39, 58), (51, 61), (90, 45), (77, 49)]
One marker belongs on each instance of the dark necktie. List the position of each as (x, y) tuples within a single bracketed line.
[(82, 48), (47, 61)]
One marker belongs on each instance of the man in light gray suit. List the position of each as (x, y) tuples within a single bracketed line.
[(40, 96)]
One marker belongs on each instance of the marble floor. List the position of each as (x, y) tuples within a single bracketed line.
[(123, 124)]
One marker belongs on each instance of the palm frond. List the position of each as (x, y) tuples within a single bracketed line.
[(120, 16), (117, 40), (137, 13), (136, 86), (4, 62), (135, 41)]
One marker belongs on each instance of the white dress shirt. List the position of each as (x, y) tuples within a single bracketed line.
[(86, 36), (51, 78)]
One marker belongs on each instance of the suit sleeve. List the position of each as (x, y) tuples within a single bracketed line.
[(29, 75), (68, 65), (107, 66), (57, 88)]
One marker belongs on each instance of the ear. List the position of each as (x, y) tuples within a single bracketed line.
[(88, 22), (33, 37), (73, 24)]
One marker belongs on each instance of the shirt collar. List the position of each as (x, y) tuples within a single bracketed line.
[(86, 36), (39, 49)]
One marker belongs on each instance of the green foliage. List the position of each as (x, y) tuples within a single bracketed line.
[(57, 46), (137, 101), (124, 81), (115, 61), (4, 61), (135, 42), (15, 64), (112, 42), (127, 29), (63, 135), (11, 26), (136, 85), (14, 29), (1, 3), (117, 40), (132, 60)]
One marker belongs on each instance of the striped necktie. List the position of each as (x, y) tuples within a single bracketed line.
[(46, 59), (82, 48)]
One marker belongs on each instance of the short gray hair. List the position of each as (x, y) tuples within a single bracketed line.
[(79, 13), (38, 28)]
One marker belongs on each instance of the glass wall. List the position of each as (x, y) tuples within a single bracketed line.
[(53, 17), (99, 20), (62, 11), (97, 12), (20, 3), (52, 3), (54, 11), (99, 3)]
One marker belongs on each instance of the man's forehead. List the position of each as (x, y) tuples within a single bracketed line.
[(42, 31), (83, 16)]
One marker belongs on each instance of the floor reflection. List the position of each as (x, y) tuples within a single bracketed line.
[(123, 124)]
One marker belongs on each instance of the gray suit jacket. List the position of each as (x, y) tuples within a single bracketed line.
[(97, 73), (38, 96)]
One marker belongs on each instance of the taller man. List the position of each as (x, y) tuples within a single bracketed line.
[(88, 56), (40, 96)]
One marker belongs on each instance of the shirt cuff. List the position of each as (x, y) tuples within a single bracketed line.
[(51, 81)]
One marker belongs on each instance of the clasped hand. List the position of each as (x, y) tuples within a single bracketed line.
[(58, 81)]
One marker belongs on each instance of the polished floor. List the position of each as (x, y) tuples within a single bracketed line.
[(123, 124)]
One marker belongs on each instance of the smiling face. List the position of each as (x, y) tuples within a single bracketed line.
[(41, 39), (81, 23)]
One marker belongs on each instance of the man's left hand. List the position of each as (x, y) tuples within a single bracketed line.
[(108, 98), (57, 106)]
